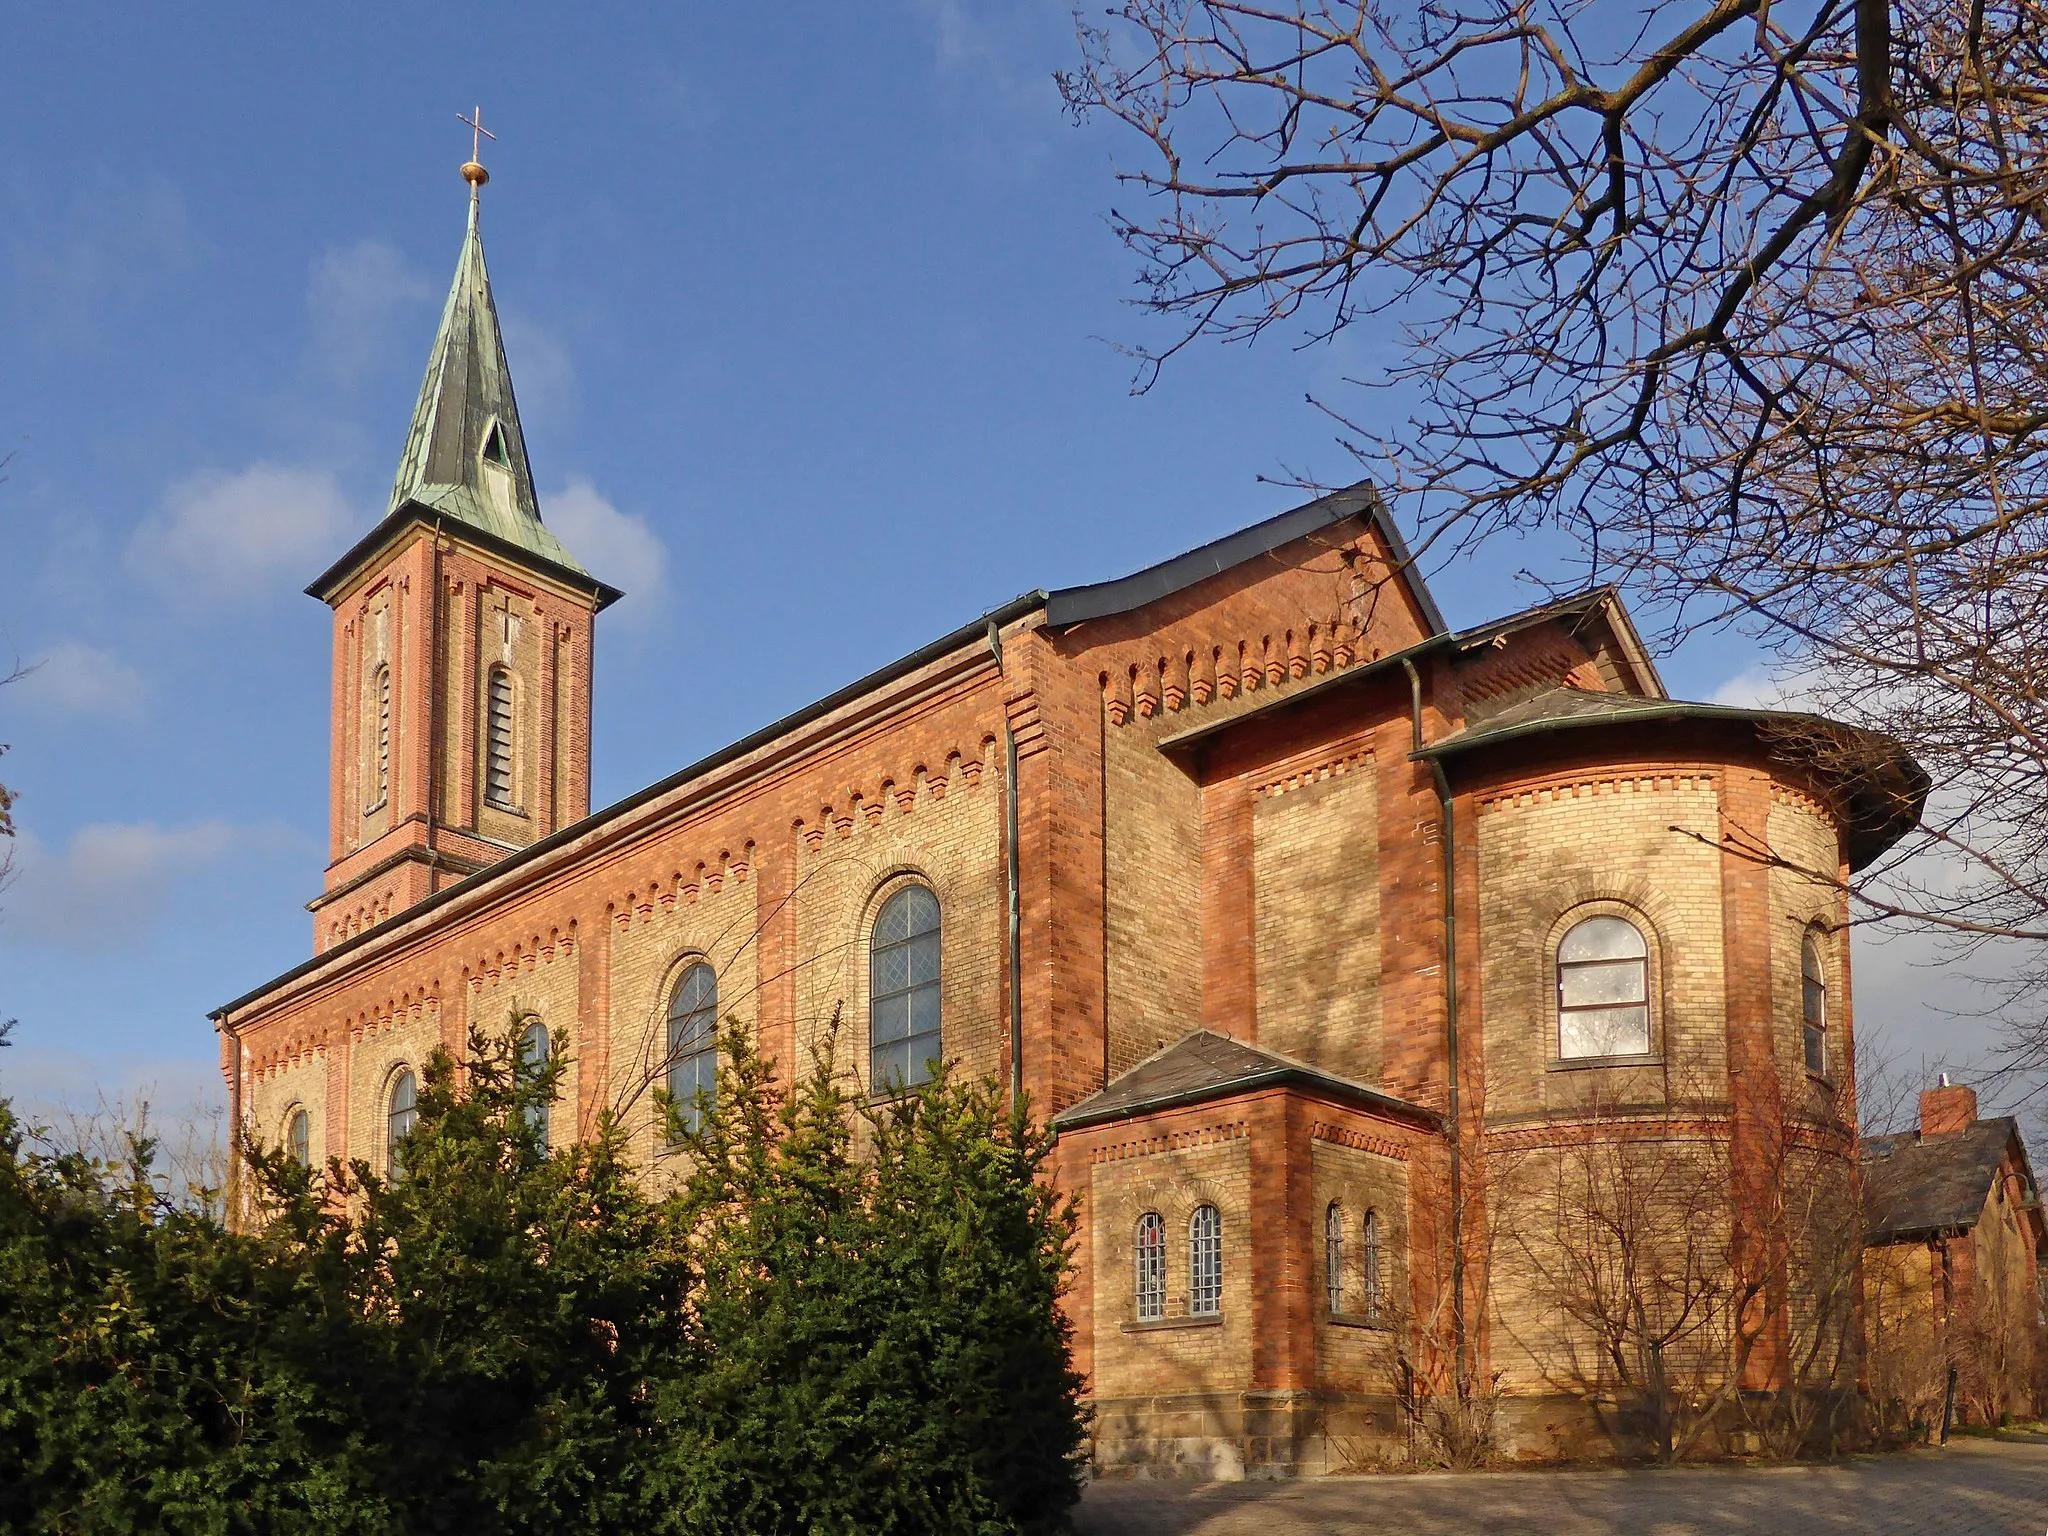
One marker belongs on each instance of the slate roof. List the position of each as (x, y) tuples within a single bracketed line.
[(1103, 599), (1924, 1186), (1206, 1065), (1882, 787)]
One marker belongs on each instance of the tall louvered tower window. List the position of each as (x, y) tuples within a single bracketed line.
[(383, 735), (498, 741)]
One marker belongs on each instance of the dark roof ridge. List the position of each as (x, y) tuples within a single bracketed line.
[(1104, 599), (1274, 1069)]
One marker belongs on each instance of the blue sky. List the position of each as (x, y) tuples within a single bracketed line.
[(812, 323)]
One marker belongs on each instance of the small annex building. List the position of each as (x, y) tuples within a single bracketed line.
[(1954, 1280), (1295, 906)]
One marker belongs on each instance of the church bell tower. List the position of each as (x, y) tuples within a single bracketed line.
[(462, 643)]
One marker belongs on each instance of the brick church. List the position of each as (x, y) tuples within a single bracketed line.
[(1291, 903)]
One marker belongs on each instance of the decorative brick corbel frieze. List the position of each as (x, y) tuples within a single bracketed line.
[(1359, 1141), (1210, 1134)]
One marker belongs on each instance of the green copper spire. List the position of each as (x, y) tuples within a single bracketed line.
[(465, 456)]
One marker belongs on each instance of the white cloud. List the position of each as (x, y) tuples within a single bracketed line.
[(250, 535), (77, 680), (352, 298), (613, 546), (1762, 686), (112, 881)]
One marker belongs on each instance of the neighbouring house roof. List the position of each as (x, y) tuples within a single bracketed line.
[(465, 463), (1104, 599), (1205, 1065), (1930, 1186), (1882, 788)]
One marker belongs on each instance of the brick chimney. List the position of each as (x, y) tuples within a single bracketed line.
[(1948, 1108)]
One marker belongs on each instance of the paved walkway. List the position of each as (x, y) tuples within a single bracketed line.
[(1974, 1486)]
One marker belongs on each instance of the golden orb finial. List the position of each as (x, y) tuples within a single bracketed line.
[(473, 171)]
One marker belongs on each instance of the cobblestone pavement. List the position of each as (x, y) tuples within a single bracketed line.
[(1970, 1487)]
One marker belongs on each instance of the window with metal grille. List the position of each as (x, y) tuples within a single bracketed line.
[(903, 989), (1333, 1257), (401, 1114), (1813, 1003), (533, 1060), (693, 1043), (1372, 1267), (298, 1138), (383, 735), (1205, 1262), (498, 741), (1151, 1256), (1603, 990)]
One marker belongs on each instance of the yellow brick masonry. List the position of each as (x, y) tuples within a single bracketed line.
[(1552, 852), (1318, 917)]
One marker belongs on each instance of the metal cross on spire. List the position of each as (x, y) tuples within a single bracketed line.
[(473, 171)]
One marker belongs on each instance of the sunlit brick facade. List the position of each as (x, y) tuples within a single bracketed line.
[(1187, 836)]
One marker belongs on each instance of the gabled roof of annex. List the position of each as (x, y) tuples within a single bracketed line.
[(1205, 1065)]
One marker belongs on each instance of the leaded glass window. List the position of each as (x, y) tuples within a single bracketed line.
[(402, 1112), (1151, 1267), (904, 989), (1333, 1257), (1205, 1262), (1813, 1003), (298, 1138), (533, 1058), (693, 1043), (1603, 990), (1372, 1267)]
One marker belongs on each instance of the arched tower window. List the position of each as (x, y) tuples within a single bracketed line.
[(1205, 1262), (402, 1112), (1813, 1003), (383, 735), (693, 1043), (1333, 1257), (1372, 1267), (298, 1138), (533, 1060), (1603, 990), (903, 989), (1151, 1267), (498, 740)]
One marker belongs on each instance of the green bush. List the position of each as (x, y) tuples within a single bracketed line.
[(843, 1319)]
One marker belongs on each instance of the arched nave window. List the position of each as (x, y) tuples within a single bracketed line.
[(903, 990), (402, 1112), (533, 1057), (693, 1043)]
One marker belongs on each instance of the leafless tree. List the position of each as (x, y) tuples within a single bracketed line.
[(1692, 1294), (1744, 298)]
